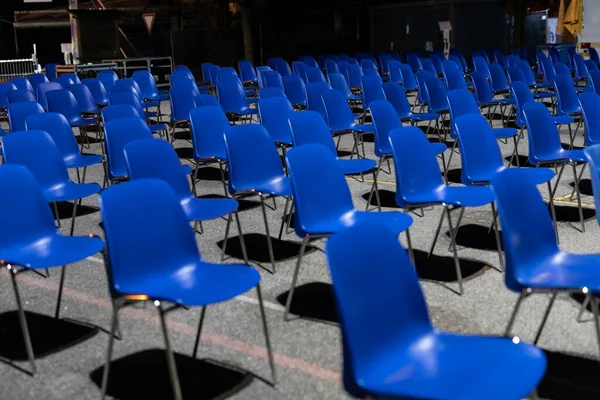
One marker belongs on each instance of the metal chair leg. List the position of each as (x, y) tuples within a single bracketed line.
[(267, 337), (578, 198), (553, 212), (374, 188), (511, 321), (546, 314), (497, 234), (584, 305), (242, 240), (596, 319), (437, 234), (288, 302), (269, 242), (111, 341), (22, 320), (456, 260), (224, 247), (73, 217), (56, 215), (60, 290), (200, 323), (169, 353), (222, 170), (284, 218)]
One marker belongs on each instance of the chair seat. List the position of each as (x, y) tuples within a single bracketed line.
[(52, 251), (464, 196), (204, 209), (150, 114), (542, 85), (82, 160), (432, 365), (157, 97), (69, 191), (536, 175), (544, 95), (245, 111), (502, 102), (505, 133), (439, 148), (186, 169), (561, 154), (560, 270), (356, 166), (367, 128), (194, 284), (398, 222), (563, 120), (157, 127), (79, 121), (584, 89), (421, 116), (280, 186), (150, 104)]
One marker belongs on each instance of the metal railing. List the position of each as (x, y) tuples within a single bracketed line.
[(160, 67), (16, 68)]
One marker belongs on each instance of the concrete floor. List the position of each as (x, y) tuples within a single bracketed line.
[(307, 351)]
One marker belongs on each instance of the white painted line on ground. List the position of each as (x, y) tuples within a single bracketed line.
[(245, 299)]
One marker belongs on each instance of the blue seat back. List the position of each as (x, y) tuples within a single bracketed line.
[(453, 76), (397, 98), (97, 89), (22, 84), (499, 82), (183, 100), (18, 96), (274, 116), (483, 88), (314, 93), (117, 134), (592, 154), (18, 112), (309, 128), (339, 113), (117, 111), (541, 131), (566, 96), (385, 119), (590, 109), (409, 81), (84, 98), (58, 128), (295, 90), (247, 72), (208, 125)]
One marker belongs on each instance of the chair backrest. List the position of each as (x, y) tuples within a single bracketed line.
[(483, 88), (156, 159), (232, 97), (314, 75), (368, 259), (397, 98), (541, 131), (36, 151), (395, 71), (372, 89), (274, 116), (421, 77), (247, 72), (252, 157), (566, 96), (18, 112), (481, 66), (436, 92), (108, 79), (42, 89), (117, 134), (594, 55), (309, 128), (414, 61), (526, 71), (581, 70), (428, 66), (385, 119), (416, 166), (339, 113), (409, 82), (29, 218), (59, 130), (461, 102), (97, 90), (205, 99), (320, 187), (516, 75), (273, 79), (182, 101), (309, 61), (522, 95), (18, 96), (128, 99), (22, 84), (592, 154), (338, 82), (479, 150), (437, 61), (295, 90), (134, 249), (499, 82), (117, 111), (205, 67), (4, 88), (590, 107), (146, 83), (63, 102), (355, 74), (300, 70), (562, 70), (36, 79), (314, 93), (527, 232), (500, 59), (512, 60), (208, 125), (331, 66), (267, 92), (453, 76), (548, 68), (84, 98)]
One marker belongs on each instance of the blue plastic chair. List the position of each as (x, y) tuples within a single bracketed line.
[(247, 72), (485, 96), (4, 88), (428, 66), (98, 91), (397, 97), (59, 130), (18, 112), (128, 98), (331, 67), (323, 202), (50, 70), (273, 79), (534, 262), (274, 116), (36, 79), (419, 184), (295, 91), (19, 96), (117, 134), (437, 101), (338, 82), (414, 61), (481, 66), (204, 99), (581, 71), (147, 84), (453, 76), (255, 167), (498, 79), (233, 100), (300, 68), (267, 92), (545, 148), (395, 71), (522, 95), (68, 79), (590, 107), (37, 151), (63, 102), (129, 85), (525, 69), (412, 359), (85, 99), (314, 92), (117, 111), (500, 59), (30, 240), (183, 100), (163, 249), (208, 125), (22, 84), (309, 128), (339, 115), (108, 79), (566, 96), (355, 74), (372, 89), (314, 75), (512, 60), (44, 88)]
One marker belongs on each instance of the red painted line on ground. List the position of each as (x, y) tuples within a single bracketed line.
[(247, 349)]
